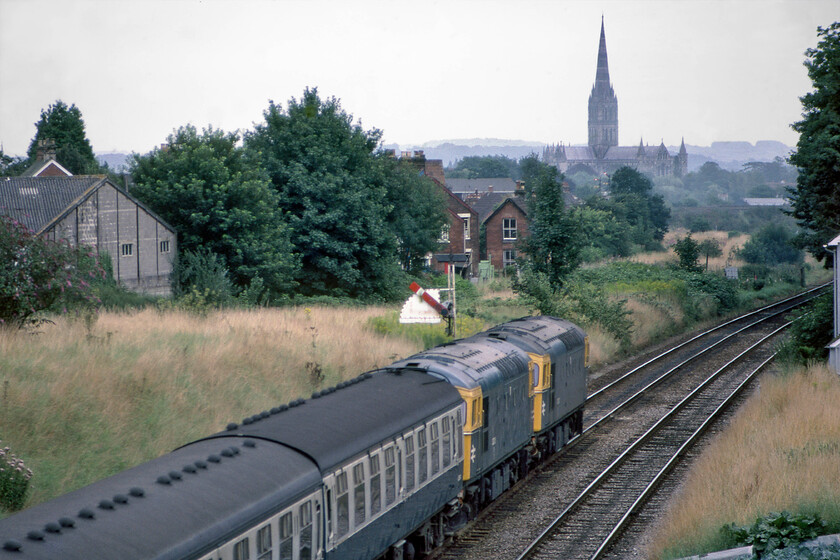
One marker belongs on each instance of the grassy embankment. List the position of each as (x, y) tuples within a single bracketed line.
[(78, 406), (781, 452)]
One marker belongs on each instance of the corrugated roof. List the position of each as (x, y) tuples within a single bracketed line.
[(36, 201)]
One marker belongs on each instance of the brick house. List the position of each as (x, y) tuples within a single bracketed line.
[(91, 210), (504, 227), (45, 163)]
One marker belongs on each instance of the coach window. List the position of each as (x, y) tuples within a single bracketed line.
[(375, 486), (264, 543), (435, 448), (447, 443), (409, 463), (240, 550), (305, 514), (342, 502), (359, 494), (390, 477), (286, 537), (422, 459)]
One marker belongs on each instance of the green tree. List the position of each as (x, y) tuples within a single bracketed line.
[(816, 199), (644, 211), (689, 252), (553, 243), (217, 197), (11, 166), (772, 244), (418, 212), (709, 248), (336, 194), (474, 167), (64, 126)]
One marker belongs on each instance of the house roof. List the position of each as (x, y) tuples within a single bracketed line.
[(622, 153), (37, 201), (778, 201), (494, 184), (41, 166), (515, 200), (574, 153)]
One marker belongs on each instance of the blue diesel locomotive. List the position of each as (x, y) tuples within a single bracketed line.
[(382, 466)]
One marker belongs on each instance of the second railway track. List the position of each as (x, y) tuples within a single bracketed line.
[(631, 426)]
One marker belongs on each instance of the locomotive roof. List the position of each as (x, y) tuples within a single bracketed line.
[(236, 485), (541, 333), (342, 422), (477, 361)]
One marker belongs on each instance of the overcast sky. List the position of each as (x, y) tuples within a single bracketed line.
[(705, 70)]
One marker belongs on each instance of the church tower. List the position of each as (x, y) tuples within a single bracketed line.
[(603, 105)]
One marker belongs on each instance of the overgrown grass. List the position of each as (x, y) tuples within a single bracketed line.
[(426, 335), (81, 404), (781, 452)]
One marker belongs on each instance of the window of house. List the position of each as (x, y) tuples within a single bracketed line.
[(409, 462), (342, 502), (509, 229), (127, 249), (164, 246), (466, 219), (264, 543), (240, 550), (375, 486), (444, 234), (359, 494), (286, 537), (306, 531), (509, 257)]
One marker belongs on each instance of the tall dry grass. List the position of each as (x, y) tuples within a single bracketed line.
[(729, 248), (781, 452), (81, 404)]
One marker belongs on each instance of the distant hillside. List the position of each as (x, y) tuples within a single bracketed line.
[(116, 161), (729, 155)]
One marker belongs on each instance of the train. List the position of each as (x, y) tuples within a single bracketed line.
[(383, 466)]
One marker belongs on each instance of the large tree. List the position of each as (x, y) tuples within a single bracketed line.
[(339, 196), (816, 199), (64, 126), (218, 198), (473, 167), (553, 243)]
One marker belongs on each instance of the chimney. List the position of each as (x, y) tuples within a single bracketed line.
[(45, 150), (489, 188), (520, 185)]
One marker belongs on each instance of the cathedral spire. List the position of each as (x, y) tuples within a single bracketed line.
[(603, 105), (602, 75)]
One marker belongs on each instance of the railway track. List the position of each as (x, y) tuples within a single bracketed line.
[(637, 426)]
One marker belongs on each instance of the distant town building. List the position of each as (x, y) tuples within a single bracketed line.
[(603, 154), (91, 210)]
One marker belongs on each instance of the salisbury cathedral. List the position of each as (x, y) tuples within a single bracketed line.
[(603, 154)]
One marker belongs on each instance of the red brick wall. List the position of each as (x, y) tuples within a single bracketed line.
[(496, 245)]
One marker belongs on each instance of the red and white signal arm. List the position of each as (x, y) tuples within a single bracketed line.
[(417, 310)]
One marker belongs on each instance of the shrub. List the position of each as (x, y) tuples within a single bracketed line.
[(810, 333), (771, 245), (40, 275), (202, 276), (774, 531), (14, 480)]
